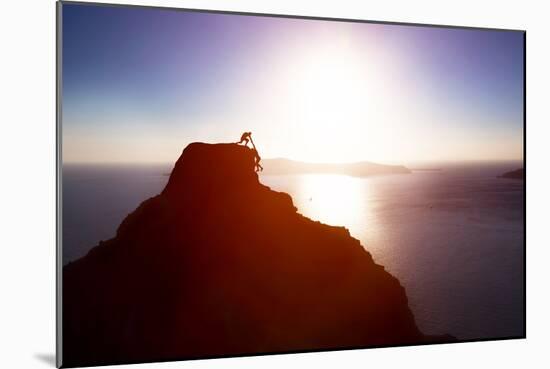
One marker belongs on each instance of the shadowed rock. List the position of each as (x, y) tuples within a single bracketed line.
[(219, 264)]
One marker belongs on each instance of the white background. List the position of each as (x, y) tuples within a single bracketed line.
[(27, 182)]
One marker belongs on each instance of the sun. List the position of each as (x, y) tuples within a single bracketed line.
[(330, 92)]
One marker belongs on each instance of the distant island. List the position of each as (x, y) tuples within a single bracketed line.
[(357, 169), (514, 174), (426, 169)]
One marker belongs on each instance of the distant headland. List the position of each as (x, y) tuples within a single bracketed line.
[(357, 169), (514, 174)]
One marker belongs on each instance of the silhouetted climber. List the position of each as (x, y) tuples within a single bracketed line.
[(246, 137), (257, 166)]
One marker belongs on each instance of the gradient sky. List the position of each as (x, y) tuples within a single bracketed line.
[(139, 84)]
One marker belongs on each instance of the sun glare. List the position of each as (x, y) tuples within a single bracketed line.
[(330, 92)]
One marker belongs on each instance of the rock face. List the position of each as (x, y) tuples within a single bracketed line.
[(219, 264)]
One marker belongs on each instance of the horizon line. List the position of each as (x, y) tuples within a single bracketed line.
[(301, 161)]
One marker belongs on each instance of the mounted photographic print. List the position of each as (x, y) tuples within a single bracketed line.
[(238, 184)]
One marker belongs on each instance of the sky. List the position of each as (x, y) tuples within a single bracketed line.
[(139, 84)]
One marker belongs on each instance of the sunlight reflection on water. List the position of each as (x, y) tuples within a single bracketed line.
[(334, 199)]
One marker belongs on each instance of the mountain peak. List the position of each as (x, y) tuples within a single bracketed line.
[(219, 264), (212, 167)]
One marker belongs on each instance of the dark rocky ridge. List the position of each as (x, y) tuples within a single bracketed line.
[(219, 264)]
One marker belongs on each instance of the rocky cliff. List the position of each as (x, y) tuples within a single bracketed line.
[(219, 264)]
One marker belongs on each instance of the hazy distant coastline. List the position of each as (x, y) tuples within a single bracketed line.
[(514, 174), (358, 169)]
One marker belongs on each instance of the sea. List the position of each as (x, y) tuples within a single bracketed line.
[(452, 233)]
